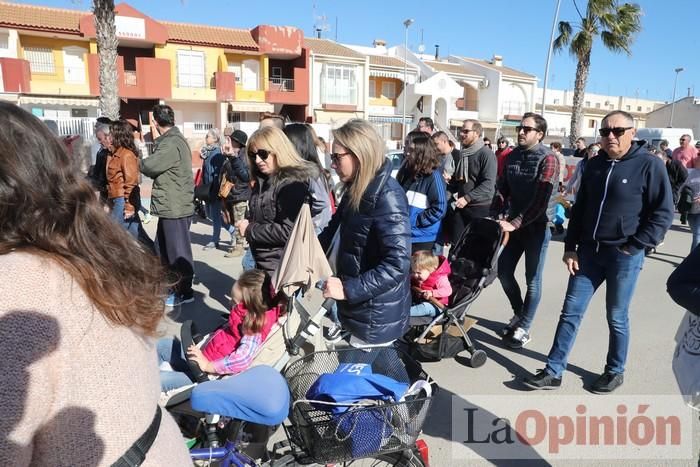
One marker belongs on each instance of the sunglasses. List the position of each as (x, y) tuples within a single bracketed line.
[(525, 129), (465, 131), (335, 156), (263, 154), (617, 131)]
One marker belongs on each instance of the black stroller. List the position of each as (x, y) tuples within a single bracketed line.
[(473, 260)]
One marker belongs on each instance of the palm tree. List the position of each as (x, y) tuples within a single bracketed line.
[(107, 42), (616, 25)]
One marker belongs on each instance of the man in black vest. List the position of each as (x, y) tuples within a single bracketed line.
[(529, 181)]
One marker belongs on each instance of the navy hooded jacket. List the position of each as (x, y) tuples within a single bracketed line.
[(374, 260), (624, 202)]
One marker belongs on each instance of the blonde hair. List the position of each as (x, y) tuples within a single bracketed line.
[(364, 143), (424, 261), (274, 140)]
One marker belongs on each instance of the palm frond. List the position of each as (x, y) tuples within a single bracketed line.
[(597, 8), (581, 44), (629, 18), (564, 36)]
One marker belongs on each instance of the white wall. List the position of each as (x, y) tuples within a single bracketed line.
[(187, 113), (686, 114), (8, 43)]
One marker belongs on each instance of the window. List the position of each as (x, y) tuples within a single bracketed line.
[(556, 101), (588, 103), (190, 69), (597, 105), (372, 88), (389, 89), (250, 73), (339, 85), (235, 68), (627, 107), (40, 59), (591, 123), (5, 44), (79, 113), (276, 72), (639, 108), (74, 65)]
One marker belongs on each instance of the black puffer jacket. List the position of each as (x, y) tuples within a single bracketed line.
[(236, 170), (274, 206), (374, 260)]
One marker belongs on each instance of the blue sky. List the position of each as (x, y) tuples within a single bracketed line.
[(516, 29)]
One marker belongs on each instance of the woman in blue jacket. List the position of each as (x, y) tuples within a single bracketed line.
[(212, 160), (421, 178), (368, 240)]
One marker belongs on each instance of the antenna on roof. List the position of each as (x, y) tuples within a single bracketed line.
[(320, 24), (336, 29), (421, 46)]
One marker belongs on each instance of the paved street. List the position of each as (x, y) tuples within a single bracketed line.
[(654, 321)]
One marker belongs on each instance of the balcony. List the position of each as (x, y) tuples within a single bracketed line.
[(135, 84), (15, 75), (280, 84)]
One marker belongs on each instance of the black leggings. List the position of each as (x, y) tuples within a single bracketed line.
[(461, 218)]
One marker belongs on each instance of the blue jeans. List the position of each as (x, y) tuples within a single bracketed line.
[(694, 223), (248, 262), (170, 350), (131, 224), (217, 220), (424, 309), (532, 240), (620, 272)]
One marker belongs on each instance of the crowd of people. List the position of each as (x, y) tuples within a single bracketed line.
[(103, 288)]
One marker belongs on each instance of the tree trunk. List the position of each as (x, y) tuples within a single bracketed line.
[(107, 51), (582, 70)]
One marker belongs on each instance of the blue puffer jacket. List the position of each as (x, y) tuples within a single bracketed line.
[(427, 204), (374, 260), (622, 202)]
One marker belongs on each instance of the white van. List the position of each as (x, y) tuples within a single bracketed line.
[(654, 136)]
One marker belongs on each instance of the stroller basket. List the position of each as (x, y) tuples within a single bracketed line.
[(364, 429)]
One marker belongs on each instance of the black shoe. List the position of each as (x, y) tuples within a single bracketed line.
[(542, 380), (607, 383), (684, 219)]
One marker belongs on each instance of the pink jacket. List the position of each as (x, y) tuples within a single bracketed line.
[(226, 339), (438, 282)]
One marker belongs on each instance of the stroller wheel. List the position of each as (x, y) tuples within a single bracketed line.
[(478, 358)]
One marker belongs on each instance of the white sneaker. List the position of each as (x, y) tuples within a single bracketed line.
[(167, 395), (519, 339), (335, 333)]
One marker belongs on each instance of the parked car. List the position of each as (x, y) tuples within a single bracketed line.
[(396, 158)]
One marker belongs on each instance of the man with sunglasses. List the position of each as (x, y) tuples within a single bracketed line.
[(529, 181), (685, 153), (624, 205)]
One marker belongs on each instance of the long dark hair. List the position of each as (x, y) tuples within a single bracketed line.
[(48, 208), (303, 139), (422, 156), (123, 136)]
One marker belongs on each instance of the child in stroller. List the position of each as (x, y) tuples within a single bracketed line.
[(473, 262), (429, 279), (231, 348)]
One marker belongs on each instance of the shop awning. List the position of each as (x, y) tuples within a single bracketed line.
[(251, 107), (386, 74), (57, 100)]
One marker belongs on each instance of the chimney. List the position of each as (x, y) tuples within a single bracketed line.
[(437, 52), (379, 44), (497, 60)]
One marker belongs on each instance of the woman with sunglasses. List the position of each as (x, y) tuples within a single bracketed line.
[(421, 178), (281, 184), (368, 240)]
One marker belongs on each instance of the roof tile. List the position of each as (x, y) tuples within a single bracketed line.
[(41, 18), (327, 47), (210, 35)]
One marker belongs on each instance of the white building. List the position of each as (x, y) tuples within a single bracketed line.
[(686, 114), (595, 107)]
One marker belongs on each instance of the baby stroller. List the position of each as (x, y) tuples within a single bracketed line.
[(473, 260)]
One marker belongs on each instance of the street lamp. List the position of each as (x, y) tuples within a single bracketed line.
[(549, 57), (673, 101), (406, 24)]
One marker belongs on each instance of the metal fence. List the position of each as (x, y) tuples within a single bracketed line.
[(74, 126)]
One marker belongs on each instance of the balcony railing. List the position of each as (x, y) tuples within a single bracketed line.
[(281, 84)]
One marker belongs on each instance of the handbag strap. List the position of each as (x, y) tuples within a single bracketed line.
[(136, 454)]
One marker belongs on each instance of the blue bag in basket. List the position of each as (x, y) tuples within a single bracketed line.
[(354, 383)]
